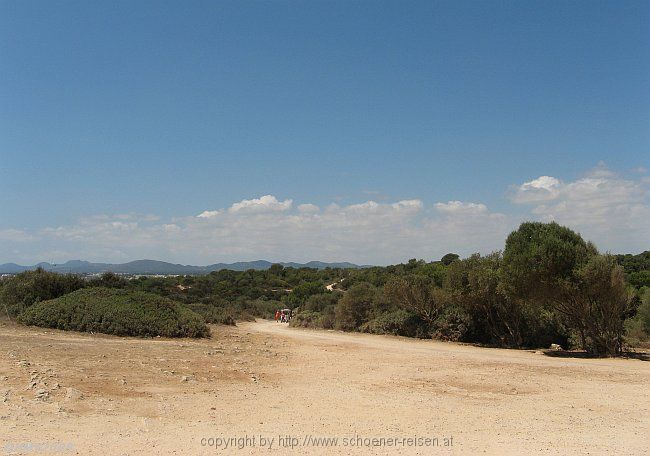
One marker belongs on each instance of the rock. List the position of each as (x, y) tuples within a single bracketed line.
[(185, 378), (24, 363), (73, 394), (41, 394)]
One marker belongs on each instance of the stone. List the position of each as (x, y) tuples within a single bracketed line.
[(73, 394)]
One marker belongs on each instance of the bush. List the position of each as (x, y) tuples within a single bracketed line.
[(597, 305), (109, 280), (637, 328), (643, 311), (418, 294), (214, 315), (453, 325), (21, 291), (319, 302), (113, 311), (635, 333), (355, 307), (307, 319), (398, 322), (261, 308)]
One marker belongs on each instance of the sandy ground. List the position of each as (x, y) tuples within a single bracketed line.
[(72, 393)]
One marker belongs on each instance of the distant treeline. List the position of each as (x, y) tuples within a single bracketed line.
[(547, 286)]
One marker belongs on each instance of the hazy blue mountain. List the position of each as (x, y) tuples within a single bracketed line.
[(161, 267)]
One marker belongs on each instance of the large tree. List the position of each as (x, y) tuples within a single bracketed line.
[(538, 256), (551, 265)]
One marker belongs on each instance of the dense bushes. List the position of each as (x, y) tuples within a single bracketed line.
[(548, 286), (117, 312), (636, 268), (311, 319), (21, 291), (595, 305), (638, 327), (213, 314), (355, 307), (398, 322)]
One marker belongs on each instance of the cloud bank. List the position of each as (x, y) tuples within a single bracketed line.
[(605, 207)]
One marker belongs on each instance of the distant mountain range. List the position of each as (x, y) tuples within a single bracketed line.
[(162, 267)]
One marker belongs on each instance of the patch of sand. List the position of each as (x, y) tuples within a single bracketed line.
[(93, 394)]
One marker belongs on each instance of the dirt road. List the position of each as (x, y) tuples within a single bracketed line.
[(84, 394)]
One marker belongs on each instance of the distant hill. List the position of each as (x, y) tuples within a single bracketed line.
[(162, 267)]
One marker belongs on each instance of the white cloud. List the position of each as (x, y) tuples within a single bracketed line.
[(414, 205), (460, 207), (13, 235), (367, 232), (609, 209), (308, 207), (264, 204), (544, 188), (208, 214)]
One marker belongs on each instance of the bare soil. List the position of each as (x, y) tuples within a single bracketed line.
[(72, 393)]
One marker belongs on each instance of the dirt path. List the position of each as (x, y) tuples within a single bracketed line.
[(90, 394), (331, 286)]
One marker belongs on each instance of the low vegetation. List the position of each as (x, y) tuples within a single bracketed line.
[(30, 287), (119, 312), (547, 286)]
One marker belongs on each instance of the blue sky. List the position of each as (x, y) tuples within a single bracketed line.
[(158, 111)]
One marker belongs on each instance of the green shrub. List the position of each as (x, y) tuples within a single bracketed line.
[(109, 280), (643, 312), (21, 291), (637, 328), (260, 308), (356, 307), (307, 319), (453, 325), (319, 302), (398, 322), (119, 312), (214, 315)]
